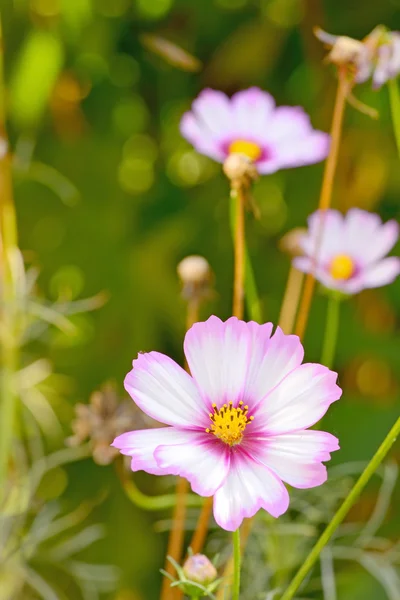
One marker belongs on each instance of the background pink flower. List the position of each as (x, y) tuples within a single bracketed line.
[(250, 123), (352, 250), (238, 426)]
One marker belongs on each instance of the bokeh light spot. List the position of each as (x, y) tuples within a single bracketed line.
[(130, 115), (135, 175), (67, 283), (140, 146)]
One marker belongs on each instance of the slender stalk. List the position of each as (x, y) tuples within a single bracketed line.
[(343, 510), (239, 272), (344, 87), (236, 564), (9, 297), (395, 110), (229, 567), (291, 300), (331, 331), (199, 536), (177, 534), (238, 194)]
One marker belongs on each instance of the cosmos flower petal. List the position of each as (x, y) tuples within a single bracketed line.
[(248, 487), (298, 402), (213, 111), (203, 460), (377, 239), (165, 392), (307, 150), (382, 273), (252, 110), (325, 230), (141, 444), (282, 354), (203, 140), (218, 354), (296, 457)]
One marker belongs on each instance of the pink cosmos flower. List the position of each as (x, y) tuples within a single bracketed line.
[(249, 123), (351, 250), (238, 426)]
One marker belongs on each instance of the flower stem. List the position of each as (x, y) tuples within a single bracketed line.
[(9, 295), (200, 533), (331, 331), (344, 87), (250, 288), (395, 110), (343, 510), (291, 298), (239, 242), (236, 565)]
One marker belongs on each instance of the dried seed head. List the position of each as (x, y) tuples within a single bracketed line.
[(291, 242), (240, 170), (102, 420), (199, 569), (346, 50), (196, 276)]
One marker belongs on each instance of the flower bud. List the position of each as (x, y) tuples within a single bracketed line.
[(240, 170), (196, 276), (199, 569), (291, 244)]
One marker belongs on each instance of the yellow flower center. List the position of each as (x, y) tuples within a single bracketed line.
[(229, 423), (342, 267), (249, 149)]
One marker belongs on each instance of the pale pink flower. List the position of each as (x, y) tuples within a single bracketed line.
[(249, 123), (352, 250), (238, 426)]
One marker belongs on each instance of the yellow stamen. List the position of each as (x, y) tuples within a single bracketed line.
[(249, 149), (228, 423), (342, 267)]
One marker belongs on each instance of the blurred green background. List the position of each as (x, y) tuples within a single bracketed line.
[(110, 198)]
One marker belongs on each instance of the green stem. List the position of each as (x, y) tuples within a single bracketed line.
[(395, 110), (236, 565), (251, 297), (331, 331), (343, 510)]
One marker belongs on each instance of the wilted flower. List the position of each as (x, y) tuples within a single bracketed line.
[(377, 56), (249, 123), (346, 252), (238, 425), (101, 420)]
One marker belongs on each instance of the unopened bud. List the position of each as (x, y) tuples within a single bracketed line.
[(196, 276), (199, 569), (291, 242), (240, 170)]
